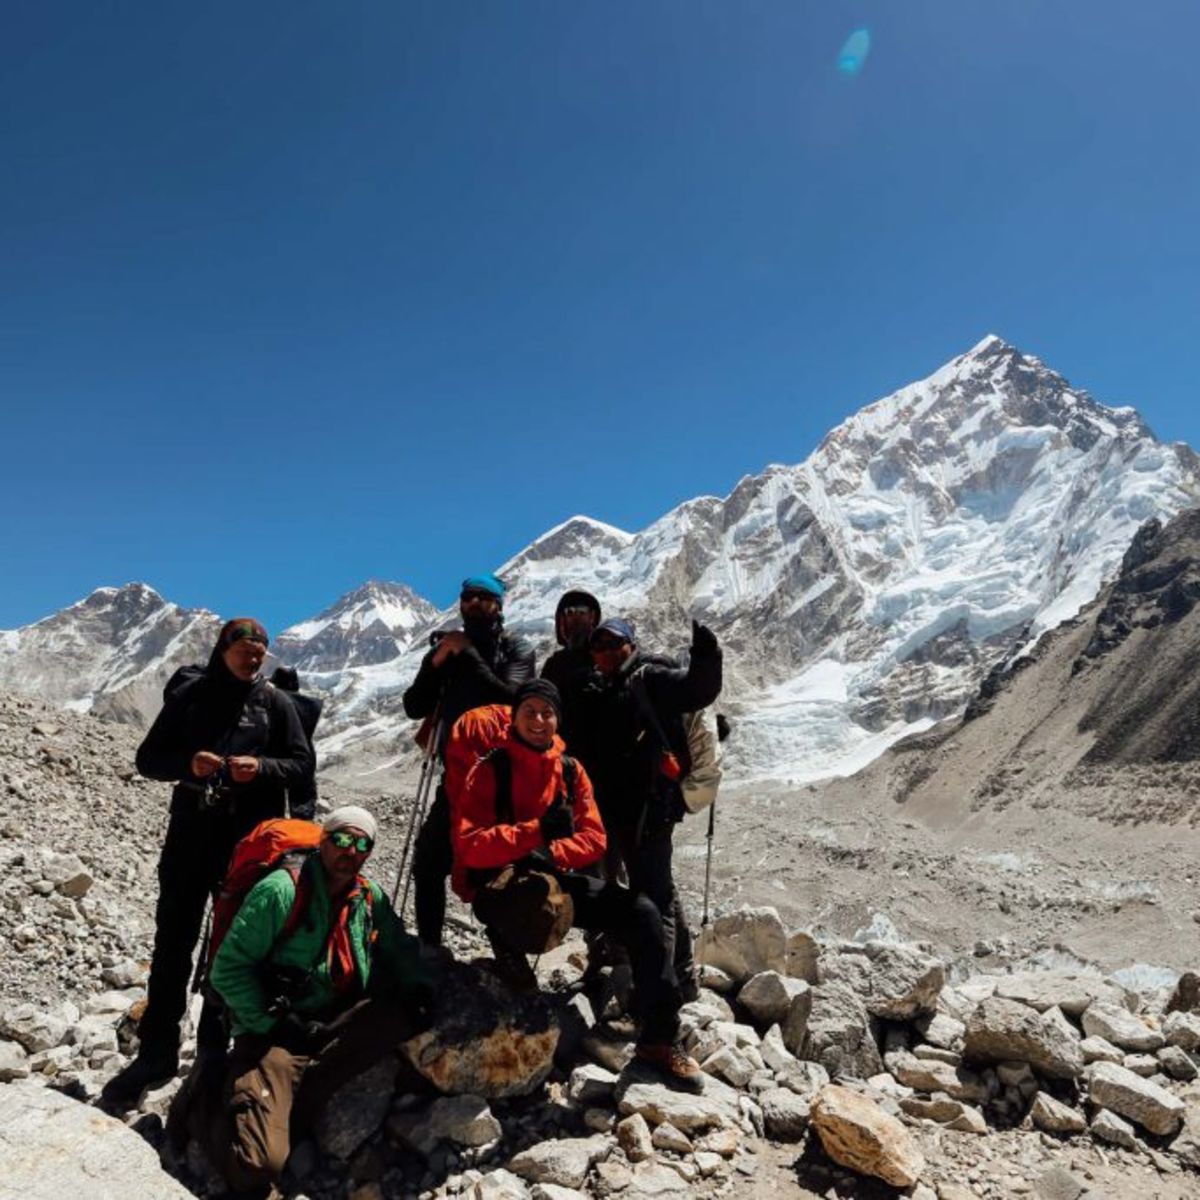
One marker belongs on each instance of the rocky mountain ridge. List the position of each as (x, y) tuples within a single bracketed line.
[(862, 595)]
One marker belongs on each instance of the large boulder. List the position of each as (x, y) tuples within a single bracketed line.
[(768, 997), (463, 1120), (1186, 996), (1071, 992), (37, 1029), (931, 1075), (564, 1161), (1118, 1089), (1001, 1030), (1120, 1027), (901, 983), (485, 1040), (745, 942), (837, 1033), (1182, 1029), (857, 1134), (803, 952), (52, 1146)]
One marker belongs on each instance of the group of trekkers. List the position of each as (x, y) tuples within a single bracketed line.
[(556, 807)]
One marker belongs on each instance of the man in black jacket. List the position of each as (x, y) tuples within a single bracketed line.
[(301, 797), (633, 704), (479, 664), (569, 668), (233, 744)]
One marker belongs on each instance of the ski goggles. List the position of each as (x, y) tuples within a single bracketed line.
[(343, 839)]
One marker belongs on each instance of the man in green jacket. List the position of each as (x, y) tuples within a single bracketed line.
[(312, 1008)]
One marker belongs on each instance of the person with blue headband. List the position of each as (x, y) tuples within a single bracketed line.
[(464, 669)]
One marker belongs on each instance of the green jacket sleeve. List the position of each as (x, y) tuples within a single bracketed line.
[(397, 968), (247, 944)]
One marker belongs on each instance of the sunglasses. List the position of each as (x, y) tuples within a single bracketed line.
[(478, 598), (577, 610), (343, 839)]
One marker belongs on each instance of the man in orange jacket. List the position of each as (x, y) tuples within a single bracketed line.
[(536, 811)]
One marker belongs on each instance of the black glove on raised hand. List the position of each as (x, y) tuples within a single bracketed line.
[(556, 822), (299, 1036), (704, 641)]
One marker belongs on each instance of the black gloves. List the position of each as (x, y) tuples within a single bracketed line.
[(299, 1036), (556, 822), (704, 641)]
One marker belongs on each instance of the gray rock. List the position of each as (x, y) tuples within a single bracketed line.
[(1120, 1027), (1073, 993), (1056, 1016), (1096, 1049), (357, 1110), (462, 1120), (768, 996), (926, 1075), (730, 1065), (785, 1114), (1052, 1116), (1152, 1107), (591, 1085), (565, 1162), (714, 1106), (803, 953), (552, 1191), (14, 1062), (1002, 1030), (1177, 1063), (614, 1054), (1182, 1029), (655, 1179), (633, 1136), (838, 1033), (67, 873), (943, 1031), (667, 1137), (1108, 1127), (943, 1110), (803, 1078), (744, 943), (903, 982), (38, 1029), (498, 1185), (1144, 1065), (776, 1056), (52, 1146), (716, 980), (126, 974), (1186, 996), (1186, 1146)]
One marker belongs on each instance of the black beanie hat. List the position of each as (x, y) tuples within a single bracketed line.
[(574, 599), (543, 689)]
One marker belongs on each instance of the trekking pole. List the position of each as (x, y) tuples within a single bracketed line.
[(712, 824), (420, 805)]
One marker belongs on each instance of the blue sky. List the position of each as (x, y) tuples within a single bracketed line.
[(297, 294)]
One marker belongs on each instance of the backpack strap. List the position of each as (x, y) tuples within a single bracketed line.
[(502, 766), (294, 865), (570, 774)]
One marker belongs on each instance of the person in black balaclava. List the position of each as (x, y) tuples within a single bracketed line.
[(233, 745), (568, 668), (479, 664), (301, 797)]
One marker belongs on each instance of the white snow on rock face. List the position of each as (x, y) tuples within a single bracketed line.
[(860, 595), (372, 624)]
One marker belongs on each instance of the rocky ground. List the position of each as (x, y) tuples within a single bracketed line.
[(903, 891)]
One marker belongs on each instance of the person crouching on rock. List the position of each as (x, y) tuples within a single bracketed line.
[(310, 1009), (526, 825)]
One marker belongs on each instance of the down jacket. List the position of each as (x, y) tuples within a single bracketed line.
[(481, 842)]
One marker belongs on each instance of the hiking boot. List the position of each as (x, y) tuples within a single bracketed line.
[(669, 1060), (151, 1068)]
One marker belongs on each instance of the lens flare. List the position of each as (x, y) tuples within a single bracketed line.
[(853, 55)]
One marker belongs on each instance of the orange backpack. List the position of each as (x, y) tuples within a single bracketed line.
[(279, 842)]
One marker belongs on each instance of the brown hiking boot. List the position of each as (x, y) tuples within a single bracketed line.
[(669, 1060)]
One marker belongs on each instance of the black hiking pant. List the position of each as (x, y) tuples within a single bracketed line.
[(634, 920), (646, 854), (193, 862), (433, 858)]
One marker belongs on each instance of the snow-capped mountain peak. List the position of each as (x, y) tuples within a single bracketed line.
[(371, 624)]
